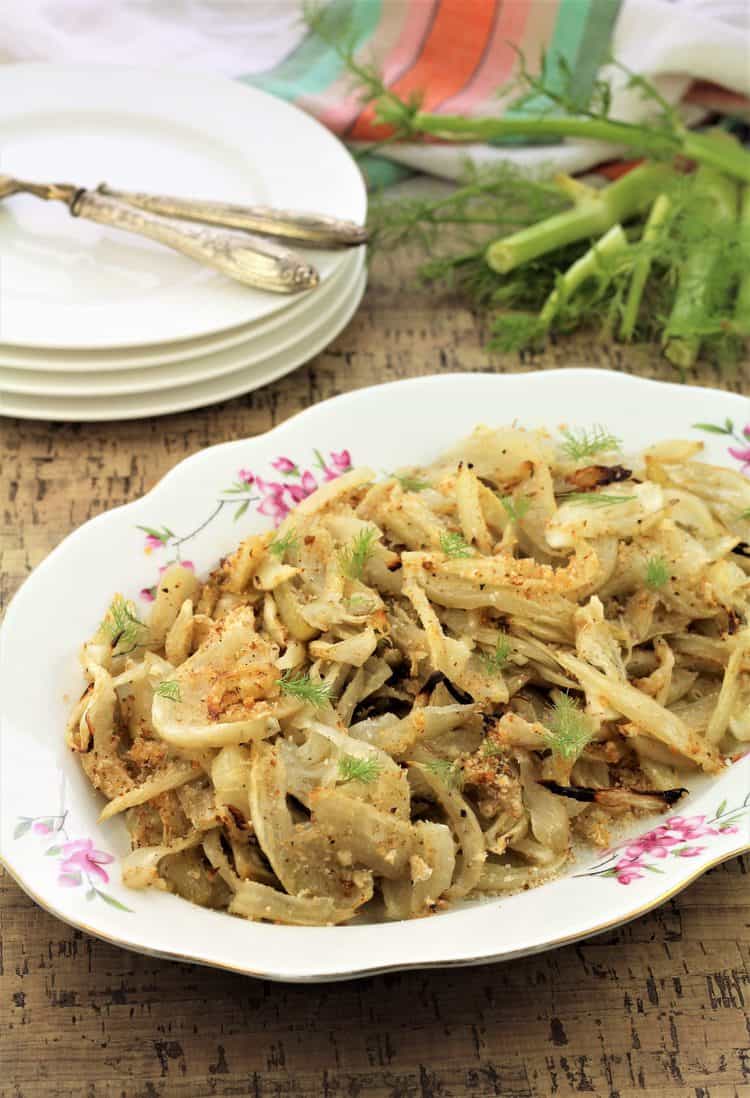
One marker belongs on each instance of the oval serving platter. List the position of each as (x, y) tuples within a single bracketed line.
[(49, 837)]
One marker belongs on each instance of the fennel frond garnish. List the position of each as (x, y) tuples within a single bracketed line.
[(302, 687)]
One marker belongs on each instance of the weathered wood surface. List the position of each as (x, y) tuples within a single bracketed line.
[(659, 1007)]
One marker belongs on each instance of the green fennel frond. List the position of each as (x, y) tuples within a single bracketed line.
[(355, 769), (657, 573), (516, 331), (744, 514), (409, 482), (487, 201), (516, 508), (453, 545), (281, 545), (449, 773), (596, 499), (169, 689), (492, 750), (569, 729), (582, 443), (302, 687), (494, 662), (354, 557), (124, 627)]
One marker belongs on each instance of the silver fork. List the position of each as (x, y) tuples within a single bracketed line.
[(243, 256)]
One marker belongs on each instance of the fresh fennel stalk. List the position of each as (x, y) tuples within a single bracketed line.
[(642, 266), (590, 265), (698, 282), (742, 304), (593, 213), (667, 143)]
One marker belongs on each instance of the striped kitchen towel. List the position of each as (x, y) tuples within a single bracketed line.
[(455, 53)]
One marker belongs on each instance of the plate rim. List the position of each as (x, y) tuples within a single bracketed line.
[(252, 377), (329, 971), (382, 969), (327, 306), (241, 333)]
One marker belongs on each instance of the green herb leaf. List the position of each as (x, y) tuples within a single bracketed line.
[(582, 443), (517, 331), (410, 483), (744, 514), (302, 687), (657, 573), (491, 749), (124, 627), (494, 662), (453, 545), (354, 557), (280, 546), (569, 729), (112, 901), (162, 535), (716, 428), (595, 499), (355, 769), (169, 689), (449, 773), (517, 508)]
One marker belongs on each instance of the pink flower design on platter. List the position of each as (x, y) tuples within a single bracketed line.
[(148, 594), (153, 542), (81, 854), (689, 851), (183, 563), (628, 869), (690, 827), (272, 504), (742, 453), (339, 463), (341, 460), (656, 843), (246, 476), (41, 827), (627, 872), (305, 488), (285, 465)]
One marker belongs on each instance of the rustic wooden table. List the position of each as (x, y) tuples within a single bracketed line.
[(659, 1007)]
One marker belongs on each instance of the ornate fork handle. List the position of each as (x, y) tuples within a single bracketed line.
[(315, 229), (244, 257)]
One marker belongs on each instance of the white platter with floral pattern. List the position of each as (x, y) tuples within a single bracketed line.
[(49, 836)]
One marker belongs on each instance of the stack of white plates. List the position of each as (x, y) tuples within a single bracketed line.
[(97, 324)]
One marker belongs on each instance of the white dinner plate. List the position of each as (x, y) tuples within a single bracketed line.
[(155, 130), (150, 379), (46, 802), (299, 309), (179, 398)]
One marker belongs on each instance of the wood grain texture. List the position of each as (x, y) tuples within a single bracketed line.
[(660, 1007)]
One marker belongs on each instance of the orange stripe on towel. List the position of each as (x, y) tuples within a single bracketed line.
[(451, 53)]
